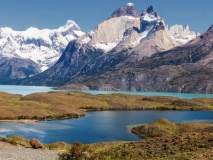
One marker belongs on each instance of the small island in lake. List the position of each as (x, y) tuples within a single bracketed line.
[(163, 127)]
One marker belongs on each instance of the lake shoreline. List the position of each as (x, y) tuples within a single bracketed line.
[(26, 90), (30, 121), (33, 121)]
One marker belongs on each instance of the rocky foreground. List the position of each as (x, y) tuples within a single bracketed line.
[(11, 152)]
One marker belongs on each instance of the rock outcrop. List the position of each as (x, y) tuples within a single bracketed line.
[(36, 144), (127, 10)]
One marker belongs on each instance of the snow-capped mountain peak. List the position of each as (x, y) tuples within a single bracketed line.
[(130, 4), (43, 46), (70, 25)]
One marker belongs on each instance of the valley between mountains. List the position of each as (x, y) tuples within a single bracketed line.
[(127, 51)]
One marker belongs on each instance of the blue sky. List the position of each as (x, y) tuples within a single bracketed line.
[(22, 14)]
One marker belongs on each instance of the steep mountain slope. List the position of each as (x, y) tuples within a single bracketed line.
[(44, 47), (188, 68), (15, 68)]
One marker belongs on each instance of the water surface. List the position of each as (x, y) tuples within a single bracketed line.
[(101, 126), (179, 95), (25, 90)]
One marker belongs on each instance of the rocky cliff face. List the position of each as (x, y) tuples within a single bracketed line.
[(155, 37), (127, 10), (110, 32)]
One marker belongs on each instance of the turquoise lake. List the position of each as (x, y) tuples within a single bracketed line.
[(25, 90), (99, 126)]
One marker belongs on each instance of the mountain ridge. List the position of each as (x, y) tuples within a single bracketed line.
[(43, 46), (124, 52), (187, 68)]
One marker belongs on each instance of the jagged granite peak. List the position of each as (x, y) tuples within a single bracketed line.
[(150, 11), (43, 46), (127, 10), (149, 19), (111, 34), (182, 34), (151, 37), (108, 34)]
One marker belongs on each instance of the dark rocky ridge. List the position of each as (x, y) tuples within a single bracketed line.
[(149, 10), (71, 62), (127, 10), (15, 68)]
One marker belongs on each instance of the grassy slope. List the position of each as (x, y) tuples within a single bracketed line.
[(18, 107), (58, 105), (177, 147)]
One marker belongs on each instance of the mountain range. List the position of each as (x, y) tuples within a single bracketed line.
[(132, 51), (26, 53)]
